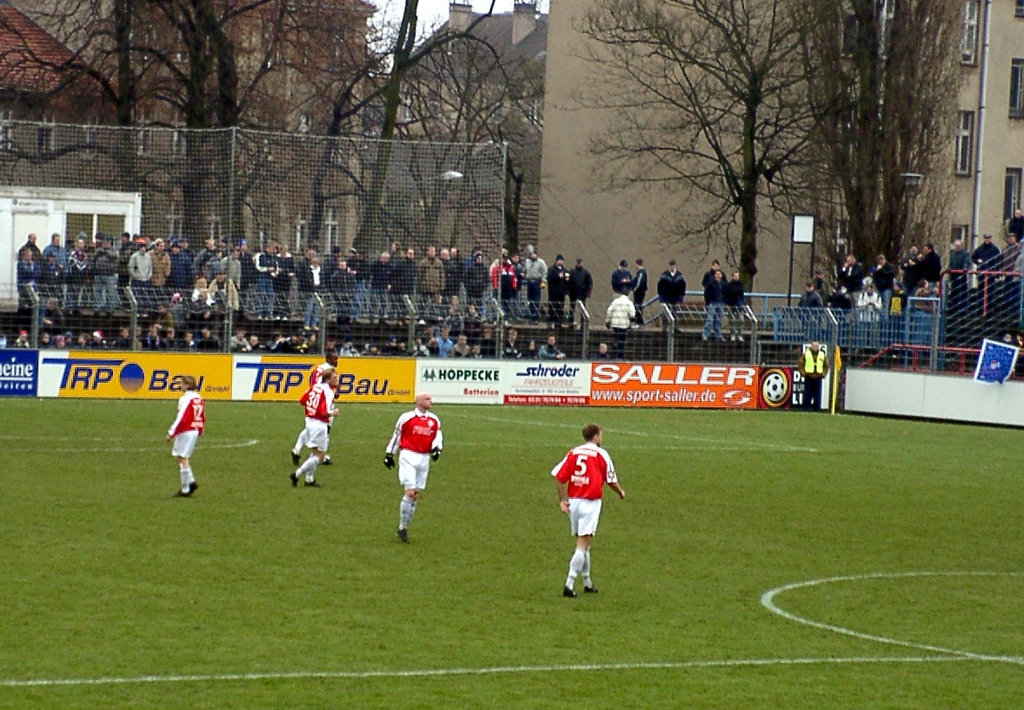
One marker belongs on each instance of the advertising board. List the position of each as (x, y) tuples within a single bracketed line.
[(103, 374), (462, 381), (286, 378), (18, 371), (546, 382), (673, 385)]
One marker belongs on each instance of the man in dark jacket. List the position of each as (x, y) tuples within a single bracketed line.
[(931, 265), (672, 285), (558, 289), (640, 290), (852, 276), (581, 285), (622, 280)]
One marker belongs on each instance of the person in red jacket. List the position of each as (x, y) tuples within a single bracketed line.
[(185, 431), (581, 478), (417, 440)]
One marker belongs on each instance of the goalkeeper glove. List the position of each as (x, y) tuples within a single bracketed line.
[(389, 461), (435, 453)]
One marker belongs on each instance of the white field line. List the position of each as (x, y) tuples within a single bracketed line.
[(140, 449), (486, 670), (768, 601), (719, 444)]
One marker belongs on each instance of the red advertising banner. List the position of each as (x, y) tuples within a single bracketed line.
[(672, 385)]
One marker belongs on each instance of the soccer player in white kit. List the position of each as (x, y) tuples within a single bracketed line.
[(185, 431), (318, 402), (330, 360), (581, 477), (418, 437)]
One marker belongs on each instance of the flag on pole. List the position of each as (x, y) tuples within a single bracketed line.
[(995, 362)]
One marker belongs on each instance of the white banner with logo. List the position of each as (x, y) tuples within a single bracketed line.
[(528, 382), (457, 380), (545, 382)]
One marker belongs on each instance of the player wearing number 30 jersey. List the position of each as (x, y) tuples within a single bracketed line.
[(318, 401), (581, 478)]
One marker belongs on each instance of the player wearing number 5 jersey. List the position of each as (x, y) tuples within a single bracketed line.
[(185, 431), (581, 478), (318, 401), (418, 437)]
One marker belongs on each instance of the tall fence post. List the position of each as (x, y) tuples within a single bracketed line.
[(133, 316), (670, 332), (584, 329)]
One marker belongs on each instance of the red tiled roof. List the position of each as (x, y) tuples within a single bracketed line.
[(30, 58)]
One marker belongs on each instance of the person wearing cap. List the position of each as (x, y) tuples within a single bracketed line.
[(104, 277), (986, 256), (558, 290), (622, 280)]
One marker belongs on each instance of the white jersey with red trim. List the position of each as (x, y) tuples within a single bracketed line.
[(191, 414), (317, 373), (319, 402), (585, 470), (417, 431)]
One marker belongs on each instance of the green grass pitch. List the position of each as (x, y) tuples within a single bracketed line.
[(760, 560)]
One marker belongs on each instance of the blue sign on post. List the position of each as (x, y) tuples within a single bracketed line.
[(995, 362), (19, 373)]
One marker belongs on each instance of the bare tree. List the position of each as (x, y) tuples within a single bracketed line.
[(706, 95), (883, 80)]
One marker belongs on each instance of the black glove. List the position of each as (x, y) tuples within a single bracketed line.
[(435, 453), (389, 461)]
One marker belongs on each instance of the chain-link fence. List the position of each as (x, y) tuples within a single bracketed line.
[(299, 190)]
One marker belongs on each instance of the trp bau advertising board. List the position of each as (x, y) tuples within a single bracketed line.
[(504, 381), (103, 374), (285, 378)]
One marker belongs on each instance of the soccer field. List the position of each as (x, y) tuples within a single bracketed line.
[(760, 560)]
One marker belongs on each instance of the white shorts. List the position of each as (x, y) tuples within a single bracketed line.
[(315, 435), (184, 444), (583, 515), (413, 468)]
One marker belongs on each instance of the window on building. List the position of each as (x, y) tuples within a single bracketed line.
[(964, 143), (174, 221), (45, 140), (301, 232), (1018, 9), (144, 141), (330, 228), (1011, 191), (89, 138), (6, 130), (1017, 88), (178, 143), (215, 228), (959, 231), (969, 32)]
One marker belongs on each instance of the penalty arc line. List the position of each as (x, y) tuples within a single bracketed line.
[(768, 602), (488, 670)]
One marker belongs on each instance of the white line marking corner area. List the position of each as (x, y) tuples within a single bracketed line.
[(936, 654), (768, 602)]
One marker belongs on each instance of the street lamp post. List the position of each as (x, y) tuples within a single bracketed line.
[(912, 185)]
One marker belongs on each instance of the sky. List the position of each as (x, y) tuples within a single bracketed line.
[(434, 12)]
